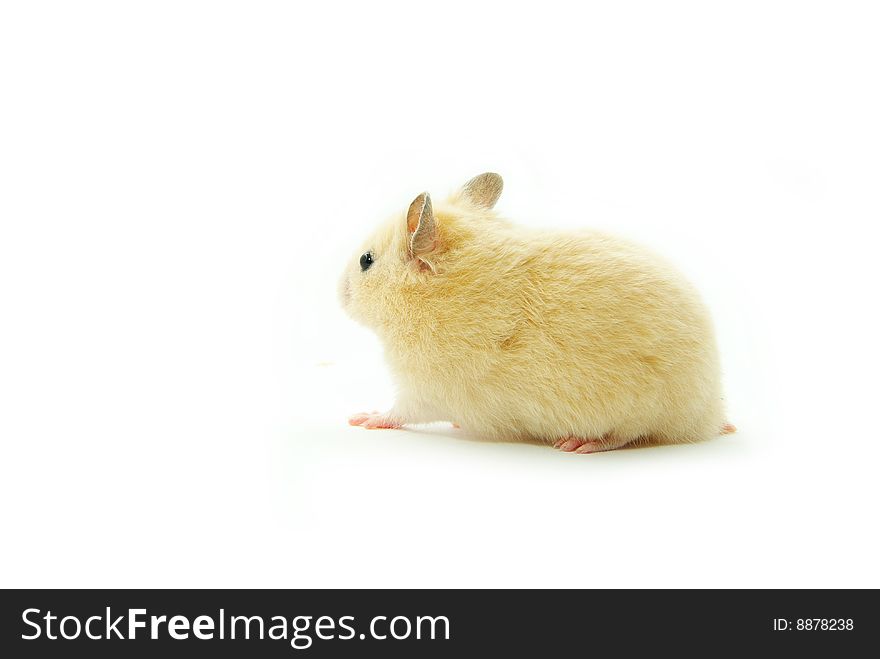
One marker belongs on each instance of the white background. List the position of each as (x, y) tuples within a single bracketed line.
[(181, 184)]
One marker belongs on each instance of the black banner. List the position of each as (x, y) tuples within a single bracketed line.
[(318, 623)]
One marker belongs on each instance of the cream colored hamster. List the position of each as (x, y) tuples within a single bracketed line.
[(575, 339)]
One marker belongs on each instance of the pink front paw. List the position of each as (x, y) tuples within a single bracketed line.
[(373, 421)]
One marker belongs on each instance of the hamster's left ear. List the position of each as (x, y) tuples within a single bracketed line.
[(483, 190), (422, 227)]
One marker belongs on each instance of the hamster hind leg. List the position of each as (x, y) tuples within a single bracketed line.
[(579, 445)]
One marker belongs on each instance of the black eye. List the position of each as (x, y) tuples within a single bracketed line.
[(366, 260)]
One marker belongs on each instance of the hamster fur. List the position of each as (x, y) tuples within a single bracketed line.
[(576, 339)]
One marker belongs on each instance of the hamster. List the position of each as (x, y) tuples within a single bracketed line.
[(579, 340)]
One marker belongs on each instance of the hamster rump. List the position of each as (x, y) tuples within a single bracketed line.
[(576, 339)]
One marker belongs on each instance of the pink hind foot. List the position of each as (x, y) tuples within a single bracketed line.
[(577, 445), (373, 421), (727, 428)]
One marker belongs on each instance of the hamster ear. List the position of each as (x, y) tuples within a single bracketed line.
[(421, 226), (483, 190)]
